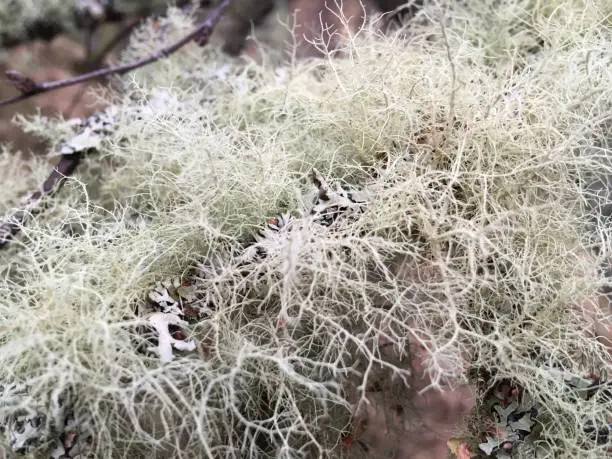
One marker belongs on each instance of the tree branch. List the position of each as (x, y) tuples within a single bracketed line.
[(201, 34)]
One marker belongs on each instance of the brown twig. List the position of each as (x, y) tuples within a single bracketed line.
[(201, 34), (68, 163)]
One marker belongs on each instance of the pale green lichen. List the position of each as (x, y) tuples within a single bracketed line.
[(471, 167)]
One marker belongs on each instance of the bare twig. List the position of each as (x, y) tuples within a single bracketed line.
[(24, 84), (201, 34)]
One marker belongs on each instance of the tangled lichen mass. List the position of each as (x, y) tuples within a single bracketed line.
[(248, 248)]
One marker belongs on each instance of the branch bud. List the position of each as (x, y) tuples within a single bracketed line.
[(23, 83)]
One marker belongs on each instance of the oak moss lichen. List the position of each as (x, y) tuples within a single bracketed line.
[(472, 166)]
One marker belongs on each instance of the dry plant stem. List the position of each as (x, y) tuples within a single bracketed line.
[(64, 168), (201, 34)]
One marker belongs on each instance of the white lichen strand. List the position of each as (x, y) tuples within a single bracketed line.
[(171, 298)]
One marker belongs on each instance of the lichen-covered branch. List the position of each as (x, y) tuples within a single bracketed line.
[(70, 160), (65, 167)]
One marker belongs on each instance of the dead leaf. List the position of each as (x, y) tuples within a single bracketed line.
[(524, 423), (505, 412), (489, 446)]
